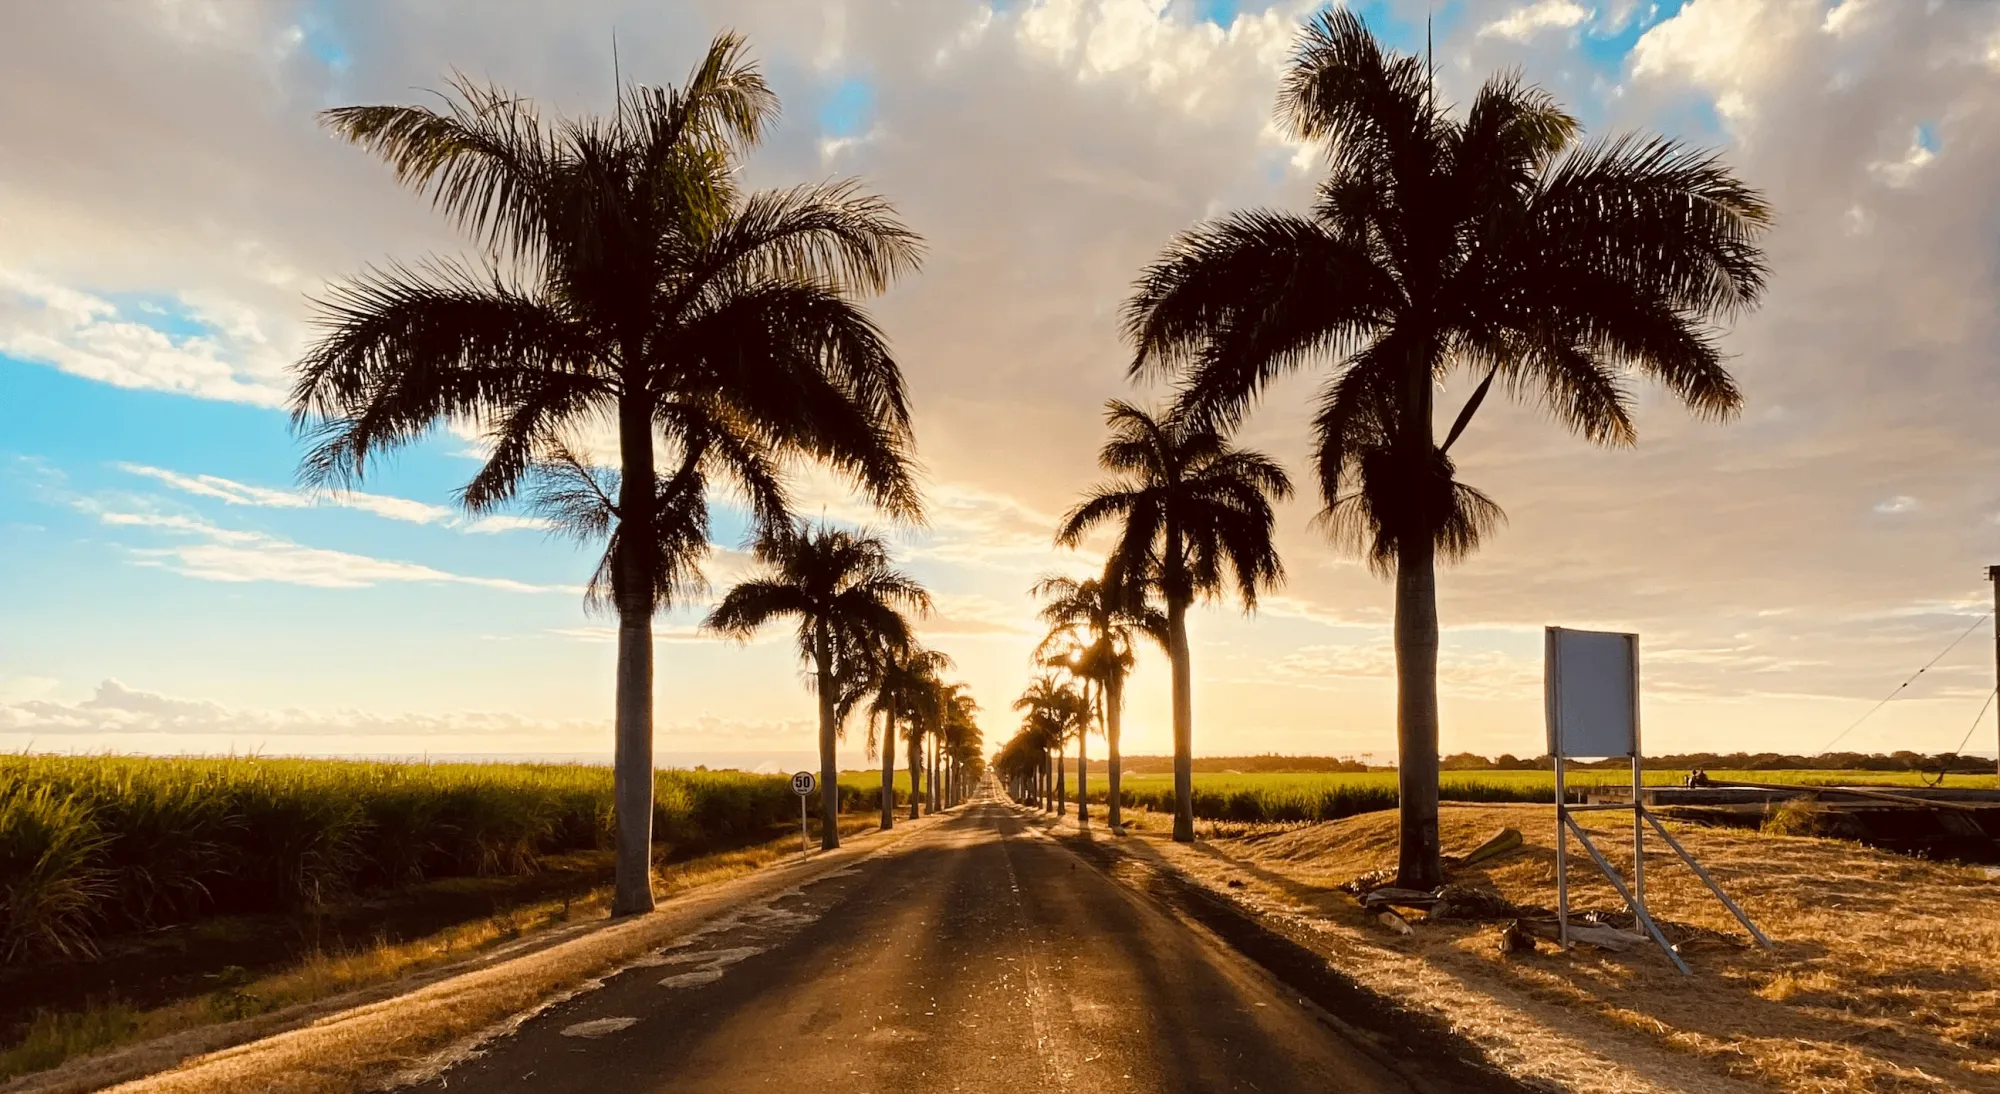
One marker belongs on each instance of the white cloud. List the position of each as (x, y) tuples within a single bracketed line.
[(236, 555), (381, 505), (1525, 21), (84, 334), (116, 714), (1904, 171), (507, 523), (1901, 503)]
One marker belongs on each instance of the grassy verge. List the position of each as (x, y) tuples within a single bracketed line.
[(55, 1037), (98, 846), (1273, 797), (1886, 974)]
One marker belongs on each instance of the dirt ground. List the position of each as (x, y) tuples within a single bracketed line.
[(1885, 976)]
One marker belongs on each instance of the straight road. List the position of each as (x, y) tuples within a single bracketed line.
[(978, 955)]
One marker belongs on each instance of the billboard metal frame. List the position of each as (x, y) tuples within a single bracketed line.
[(1557, 700)]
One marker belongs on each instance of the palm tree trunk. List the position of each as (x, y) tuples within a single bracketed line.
[(1177, 649), (916, 772), (1417, 865), (632, 762), (1083, 763), (1114, 695), (1062, 778), (829, 773), (937, 789), (889, 772)]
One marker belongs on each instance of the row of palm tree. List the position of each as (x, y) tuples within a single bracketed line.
[(1495, 244), (627, 284)]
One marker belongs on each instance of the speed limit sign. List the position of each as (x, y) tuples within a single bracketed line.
[(803, 784)]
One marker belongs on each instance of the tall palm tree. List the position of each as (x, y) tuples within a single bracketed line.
[(1107, 622), (906, 691), (840, 588), (631, 281), (1055, 711), (958, 735), (1019, 763), (962, 740), (1194, 518), (1498, 244)]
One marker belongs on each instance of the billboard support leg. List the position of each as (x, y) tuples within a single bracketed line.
[(1741, 916), (1638, 909)]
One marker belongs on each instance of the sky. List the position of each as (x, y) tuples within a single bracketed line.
[(169, 207)]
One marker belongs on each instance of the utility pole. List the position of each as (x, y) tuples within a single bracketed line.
[(1993, 575)]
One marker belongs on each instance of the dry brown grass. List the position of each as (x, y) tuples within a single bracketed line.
[(1886, 975)]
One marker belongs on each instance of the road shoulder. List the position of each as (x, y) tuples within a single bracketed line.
[(391, 1033), (1445, 1031)]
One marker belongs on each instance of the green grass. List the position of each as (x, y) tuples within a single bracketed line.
[(1330, 796), (870, 782), (96, 845)]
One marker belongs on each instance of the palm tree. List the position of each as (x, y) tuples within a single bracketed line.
[(1106, 623), (630, 280), (1497, 243), (1019, 763), (1055, 711), (905, 691), (962, 740), (1194, 517), (957, 732), (1066, 651), (843, 592)]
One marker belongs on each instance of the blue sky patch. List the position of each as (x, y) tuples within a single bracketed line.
[(849, 110), (161, 312), (322, 40)]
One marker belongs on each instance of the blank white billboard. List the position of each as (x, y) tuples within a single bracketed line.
[(1590, 681)]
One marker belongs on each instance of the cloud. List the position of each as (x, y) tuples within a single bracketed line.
[(92, 337), (1525, 21), (119, 714), (507, 523), (236, 555), (1048, 149), (381, 505)]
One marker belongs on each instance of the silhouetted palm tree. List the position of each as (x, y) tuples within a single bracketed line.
[(1056, 711), (962, 739), (840, 588), (1497, 243), (1194, 517), (906, 691), (631, 281), (1106, 622)]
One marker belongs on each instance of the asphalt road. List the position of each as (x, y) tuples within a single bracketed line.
[(977, 955)]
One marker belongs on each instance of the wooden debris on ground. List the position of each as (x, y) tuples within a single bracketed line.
[(1593, 934), (1395, 922), (1500, 844), (1516, 939), (1401, 898)]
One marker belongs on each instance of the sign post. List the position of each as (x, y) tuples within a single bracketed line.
[(803, 784), (1591, 690)]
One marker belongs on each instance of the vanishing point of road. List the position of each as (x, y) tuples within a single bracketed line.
[(978, 954)]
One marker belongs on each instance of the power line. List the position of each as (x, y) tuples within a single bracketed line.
[(1907, 683), (1976, 719)]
